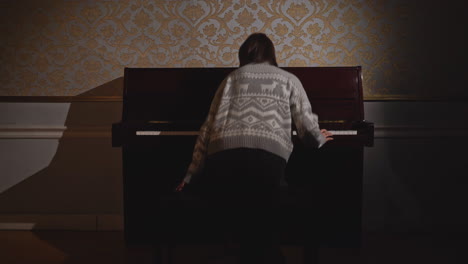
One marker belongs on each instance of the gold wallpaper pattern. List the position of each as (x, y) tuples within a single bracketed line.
[(64, 48)]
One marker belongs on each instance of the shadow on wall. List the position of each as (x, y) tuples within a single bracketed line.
[(84, 176)]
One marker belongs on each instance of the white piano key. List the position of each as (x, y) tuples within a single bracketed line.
[(338, 132), (167, 133), (343, 132), (148, 133)]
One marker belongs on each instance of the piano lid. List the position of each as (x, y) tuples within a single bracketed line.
[(185, 94)]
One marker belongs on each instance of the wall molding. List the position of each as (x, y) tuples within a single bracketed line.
[(71, 99), (417, 132), (53, 132), (59, 99), (79, 222), (31, 132), (89, 132)]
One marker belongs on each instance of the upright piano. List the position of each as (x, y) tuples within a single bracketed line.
[(163, 109)]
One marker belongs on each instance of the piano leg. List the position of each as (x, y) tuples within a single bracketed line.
[(162, 254), (311, 254), (157, 254)]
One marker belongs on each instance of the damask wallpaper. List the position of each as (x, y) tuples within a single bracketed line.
[(65, 48)]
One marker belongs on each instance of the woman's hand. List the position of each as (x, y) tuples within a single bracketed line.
[(180, 187), (328, 135)]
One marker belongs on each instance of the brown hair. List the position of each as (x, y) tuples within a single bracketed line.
[(257, 48)]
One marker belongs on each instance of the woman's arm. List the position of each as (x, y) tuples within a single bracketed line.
[(305, 120), (201, 145)]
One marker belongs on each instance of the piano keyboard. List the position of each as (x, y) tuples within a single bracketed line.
[(339, 132), (195, 133), (167, 133)]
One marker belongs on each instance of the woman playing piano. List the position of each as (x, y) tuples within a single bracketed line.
[(245, 142)]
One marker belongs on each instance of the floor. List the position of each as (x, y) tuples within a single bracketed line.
[(70, 247)]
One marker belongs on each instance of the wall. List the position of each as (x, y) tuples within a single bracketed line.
[(68, 47)]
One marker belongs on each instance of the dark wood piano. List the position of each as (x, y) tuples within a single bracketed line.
[(163, 109)]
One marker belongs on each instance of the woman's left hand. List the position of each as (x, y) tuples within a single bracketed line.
[(327, 134)]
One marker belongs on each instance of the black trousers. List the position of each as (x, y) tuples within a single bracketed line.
[(244, 187)]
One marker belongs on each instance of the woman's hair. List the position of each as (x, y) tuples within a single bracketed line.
[(257, 48)]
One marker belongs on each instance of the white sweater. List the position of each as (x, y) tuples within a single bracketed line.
[(254, 107)]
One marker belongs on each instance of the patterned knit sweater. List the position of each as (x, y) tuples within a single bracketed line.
[(255, 107)]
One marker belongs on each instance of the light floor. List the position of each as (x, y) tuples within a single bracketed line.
[(69, 247)]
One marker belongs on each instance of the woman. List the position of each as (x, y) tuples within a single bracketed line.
[(245, 142)]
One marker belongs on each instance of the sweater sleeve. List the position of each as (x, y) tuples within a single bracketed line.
[(305, 120), (201, 145)]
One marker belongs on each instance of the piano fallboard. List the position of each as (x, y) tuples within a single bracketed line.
[(177, 94)]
